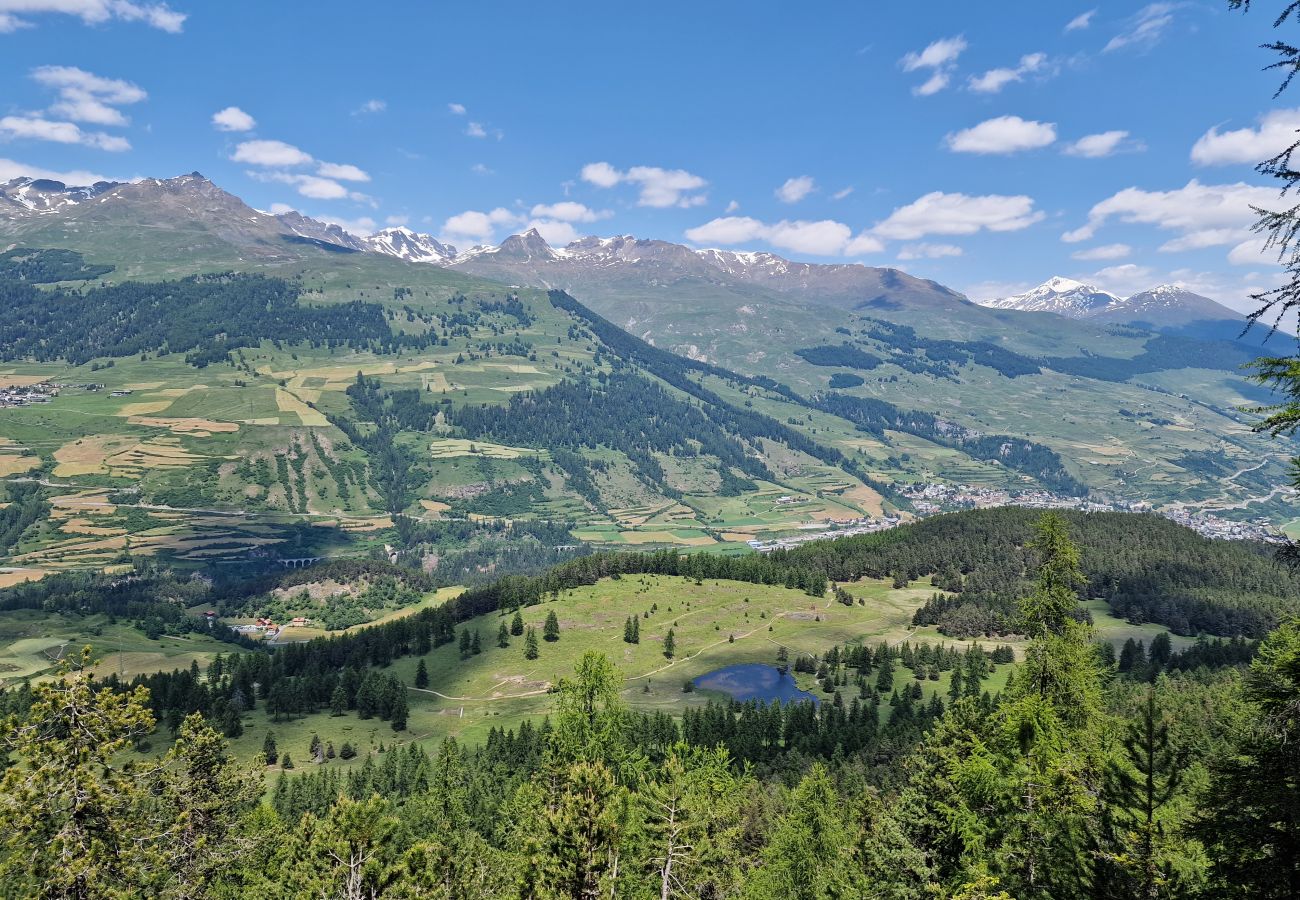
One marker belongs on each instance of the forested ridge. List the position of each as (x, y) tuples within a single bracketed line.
[(1083, 777)]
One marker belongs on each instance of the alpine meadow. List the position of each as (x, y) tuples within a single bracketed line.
[(693, 452)]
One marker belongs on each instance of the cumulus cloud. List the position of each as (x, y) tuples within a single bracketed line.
[(822, 238), (1204, 215), (270, 153), (11, 169), (1276, 131), (659, 188), (953, 214), (795, 189), (1005, 134), (568, 211), (474, 226), (370, 107), (939, 58), (1095, 146), (232, 118), (1145, 29), (342, 171), (994, 80), (14, 13), (555, 233), (928, 251), (1124, 280), (475, 130), (1081, 21), (1105, 251), (456, 109), (35, 128), (277, 160), (86, 97)]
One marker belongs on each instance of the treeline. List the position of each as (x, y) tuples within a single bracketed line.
[(36, 266), (1018, 454), (206, 315), (623, 412), (904, 338)]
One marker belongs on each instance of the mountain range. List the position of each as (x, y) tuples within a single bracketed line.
[(906, 379), (1164, 306)]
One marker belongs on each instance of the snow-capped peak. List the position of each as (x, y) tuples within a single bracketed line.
[(1063, 296), (403, 243)]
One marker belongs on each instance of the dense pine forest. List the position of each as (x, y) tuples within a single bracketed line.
[(1148, 773)]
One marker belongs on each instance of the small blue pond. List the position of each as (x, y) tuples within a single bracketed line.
[(754, 681)]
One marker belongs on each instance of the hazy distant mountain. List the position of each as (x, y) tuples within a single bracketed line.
[(1167, 307), (595, 262)]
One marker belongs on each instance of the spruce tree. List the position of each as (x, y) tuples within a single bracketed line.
[(399, 712), (670, 643), (551, 630), (465, 642), (338, 700), (636, 630), (421, 675), (503, 636), (517, 624), (476, 644), (530, 644), (269, 749), (286, 761)]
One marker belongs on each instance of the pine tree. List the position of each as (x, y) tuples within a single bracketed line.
[(465, 642), (315, 750), (269, 750), (338, 701), (476, 644), (517, 624), (627, 630), (421, 675), (399, 712), (551, 630), (503, 636), (670, 643), (636, 630), (530, 644), (286, 761)]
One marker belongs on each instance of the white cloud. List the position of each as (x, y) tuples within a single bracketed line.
[(1081, 21), (795, 189), (952, 214), (312, 186), (822, 238), (1125, 280), (939, 53), (396, 221), (370, 107), (841, 193), (11, 169), (1253, 252), (86, 97), (475, 130), (91, 12), (928, 251), (1276, 131), (995, 80), (1204, 215), (568, 211), (992, 290), (939, 57), (270, 153), (1145, 29), (232, 118), (732, 207), (279, 209), (1005, 134), (1105, 251), (480, 169), (342, 171), (659, 188), (1095, 146), (456, 109), (932, 85), (557, 234), (38, 129), (475, 226)]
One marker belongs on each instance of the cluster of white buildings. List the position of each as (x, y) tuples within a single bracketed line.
[(27, 394), (820, 531), (931, 498)]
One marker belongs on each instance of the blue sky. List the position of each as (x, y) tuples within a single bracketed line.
[(989, 146)]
